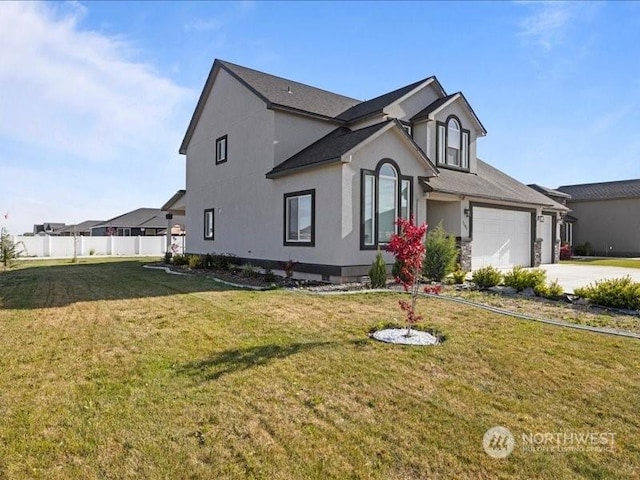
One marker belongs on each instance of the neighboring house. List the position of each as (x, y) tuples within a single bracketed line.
[(83, 229), (607, 216), (48, 228), (566, 220), (278, 170), (142, 221)]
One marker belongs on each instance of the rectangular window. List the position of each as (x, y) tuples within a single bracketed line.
[(387, 208), (465, 149), (369, 186), (441, 144), (299, 217), (208, 224), (405, 199), (124, 232), (221, 150)]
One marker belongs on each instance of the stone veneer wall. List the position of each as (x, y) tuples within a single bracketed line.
[(464, 256), (537, 252)]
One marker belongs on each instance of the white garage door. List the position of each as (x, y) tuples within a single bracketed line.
[(547, 244), (501, 238)]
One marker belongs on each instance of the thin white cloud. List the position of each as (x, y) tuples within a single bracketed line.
[(74, 90), (546, 26)]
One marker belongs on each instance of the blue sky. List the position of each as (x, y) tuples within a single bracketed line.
[(96, 96)]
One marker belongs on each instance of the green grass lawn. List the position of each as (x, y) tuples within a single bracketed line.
[(609, 262), (109, 370)]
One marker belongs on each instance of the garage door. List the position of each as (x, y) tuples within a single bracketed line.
[(547, 240), (501, 238)]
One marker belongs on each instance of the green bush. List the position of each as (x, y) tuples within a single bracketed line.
[(583, 250), (167, 256), (180, 260), (551, 290), (441, 254), (222, 262), (486, 277), (519, 278), (616, 293), (269, 276), (459, 275), (378, 272), (195, 261), (250, 271), (396, 270)]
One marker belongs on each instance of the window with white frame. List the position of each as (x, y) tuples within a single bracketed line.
[(299, 216), (452, 144), (209, 229), (221, 149), (385, 196)]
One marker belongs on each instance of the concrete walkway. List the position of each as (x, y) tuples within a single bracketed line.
[(575, 276)]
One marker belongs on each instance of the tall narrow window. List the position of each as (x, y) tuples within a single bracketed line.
[(405, 198), (208, 224), (369, 209), (385, 196), (299, 218), (387, 202), (221, 150), (453, 142), (465, 149)]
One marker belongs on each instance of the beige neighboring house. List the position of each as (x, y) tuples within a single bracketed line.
[(607, 215), (277, 170)]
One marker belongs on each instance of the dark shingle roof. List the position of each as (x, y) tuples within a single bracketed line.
[(431, 107), (287, 93), (141, 217), (82, 227), (488, 183), (603, 191), (549, 191), (377, 104), (326, 150)]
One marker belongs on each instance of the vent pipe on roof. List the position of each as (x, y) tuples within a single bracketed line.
[(289, 90)]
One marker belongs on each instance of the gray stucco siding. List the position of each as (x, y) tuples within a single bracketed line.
[(608, 223)]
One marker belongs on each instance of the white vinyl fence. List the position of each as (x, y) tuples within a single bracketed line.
[(61, 247)]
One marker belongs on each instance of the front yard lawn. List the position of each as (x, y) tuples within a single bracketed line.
[(109, 370), (609, 262)]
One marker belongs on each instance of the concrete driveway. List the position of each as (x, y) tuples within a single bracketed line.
[(574, 276)]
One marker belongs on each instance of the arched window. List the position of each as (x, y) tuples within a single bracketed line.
[(386, 195), (452, 144)]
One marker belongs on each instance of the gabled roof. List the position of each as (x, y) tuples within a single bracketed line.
[(328, 149), (489, 183), (331, 148), (377, 105), (171, 203), (81, 227), (442, 102), (549, 191), (276, 92), (603, 191), (141, 217)]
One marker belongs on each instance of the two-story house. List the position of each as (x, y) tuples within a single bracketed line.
[(277, 170)]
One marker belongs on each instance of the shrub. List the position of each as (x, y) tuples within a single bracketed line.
[(92, 251), (207, 262), (616, 293), (378, 272), (583, 250), (486, 277), (441, 254), (459, 275), (222, 262), (9, 250), (396, 271), (167, 256), (519, 278), (250, 271), (288, 267), (553, 289), (195, 261), (565, 252), (269, 276), (180, 260)]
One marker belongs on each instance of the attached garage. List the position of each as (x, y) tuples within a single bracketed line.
[(500, 237)]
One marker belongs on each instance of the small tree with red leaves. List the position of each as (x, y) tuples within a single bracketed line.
[(408, 249)]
